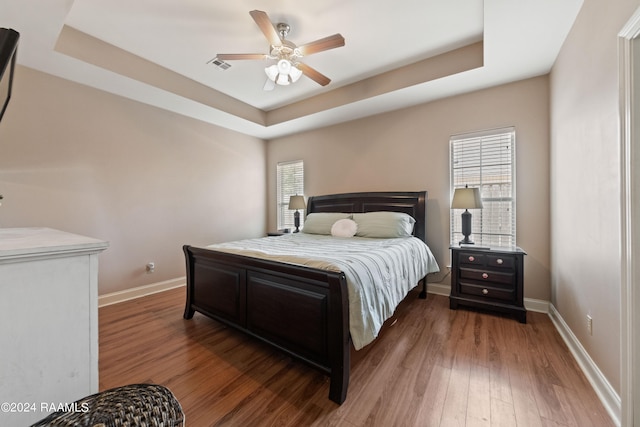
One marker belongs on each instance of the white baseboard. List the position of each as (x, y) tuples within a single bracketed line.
[(537, 305), (141, 291), (610, 399), (129, 294), (438, 289)]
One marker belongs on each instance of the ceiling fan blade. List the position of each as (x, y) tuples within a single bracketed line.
[(266, 27), (330, 42), (236, 56), (314, 75)]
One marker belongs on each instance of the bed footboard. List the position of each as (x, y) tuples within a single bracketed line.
[(300, 310)]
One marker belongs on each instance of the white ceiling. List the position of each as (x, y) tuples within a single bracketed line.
[(521, 39)]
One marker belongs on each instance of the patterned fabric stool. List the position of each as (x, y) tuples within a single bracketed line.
[(136, 405)]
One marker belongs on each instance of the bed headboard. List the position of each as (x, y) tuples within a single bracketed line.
[(412, 203)]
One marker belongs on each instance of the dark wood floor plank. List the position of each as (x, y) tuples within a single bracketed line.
[(431, 366)]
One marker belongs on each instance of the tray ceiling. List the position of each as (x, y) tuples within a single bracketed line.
[(396, 54)]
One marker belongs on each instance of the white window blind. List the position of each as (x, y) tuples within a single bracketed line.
[(486, 160), (290, 181)]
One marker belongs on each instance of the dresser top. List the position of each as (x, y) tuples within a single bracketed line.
[(25, 242), (494, 249)]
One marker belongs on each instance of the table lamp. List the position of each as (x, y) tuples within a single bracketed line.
[(296, 202), (466, 198)]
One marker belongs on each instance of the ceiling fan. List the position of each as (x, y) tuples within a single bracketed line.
[(288, 68)]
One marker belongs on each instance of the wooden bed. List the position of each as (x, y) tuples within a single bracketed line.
[(249, 293)]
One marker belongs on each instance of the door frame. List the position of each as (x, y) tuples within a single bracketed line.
[(629, 64)]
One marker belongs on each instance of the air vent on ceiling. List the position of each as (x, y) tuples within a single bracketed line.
[(220, 64)]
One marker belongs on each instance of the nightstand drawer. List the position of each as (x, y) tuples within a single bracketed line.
[(501, 261), (471, 258), (487, 276), (487, 292), (481, 259)]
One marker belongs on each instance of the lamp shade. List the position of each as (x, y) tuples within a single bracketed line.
[(295, 74), (272, 72), (466, 198), (297, 202)]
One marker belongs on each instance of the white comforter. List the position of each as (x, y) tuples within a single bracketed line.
[(379, 272)]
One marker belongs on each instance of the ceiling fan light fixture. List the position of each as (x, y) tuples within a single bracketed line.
[(283, 73)]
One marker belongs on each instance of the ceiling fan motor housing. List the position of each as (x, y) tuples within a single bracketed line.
[(283, 29)]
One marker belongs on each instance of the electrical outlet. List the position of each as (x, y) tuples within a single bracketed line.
[(151, 267), (590, 324)]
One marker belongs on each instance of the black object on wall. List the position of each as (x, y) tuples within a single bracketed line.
[(8, 50)]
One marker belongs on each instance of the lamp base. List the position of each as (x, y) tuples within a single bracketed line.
[(466, 228), (296, 221)]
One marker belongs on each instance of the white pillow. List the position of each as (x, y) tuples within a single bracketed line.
[(344, 228)]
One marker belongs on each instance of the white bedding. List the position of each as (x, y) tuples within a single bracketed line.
[(379, 272)]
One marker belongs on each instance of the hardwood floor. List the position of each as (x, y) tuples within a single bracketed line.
[(431, 367)]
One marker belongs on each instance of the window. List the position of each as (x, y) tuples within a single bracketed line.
[(486, 160), (290, 182)]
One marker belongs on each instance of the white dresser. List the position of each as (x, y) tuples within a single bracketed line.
[(48, 321)]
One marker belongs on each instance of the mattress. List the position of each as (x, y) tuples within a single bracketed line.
[(379, 272)]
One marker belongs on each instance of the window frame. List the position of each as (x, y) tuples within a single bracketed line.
[(495, 224), (296, 187)]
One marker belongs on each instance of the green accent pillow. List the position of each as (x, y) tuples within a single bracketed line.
[(384, 225), (321, 222)]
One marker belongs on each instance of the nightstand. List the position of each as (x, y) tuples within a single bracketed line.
[(491, 279)]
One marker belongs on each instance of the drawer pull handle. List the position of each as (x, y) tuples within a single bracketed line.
[(471, 259), (499, 261), (485, 291), (485, 276)]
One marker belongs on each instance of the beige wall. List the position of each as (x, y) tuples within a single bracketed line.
[(409, 150), (586, 181), (148, 180), (144, 179)]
